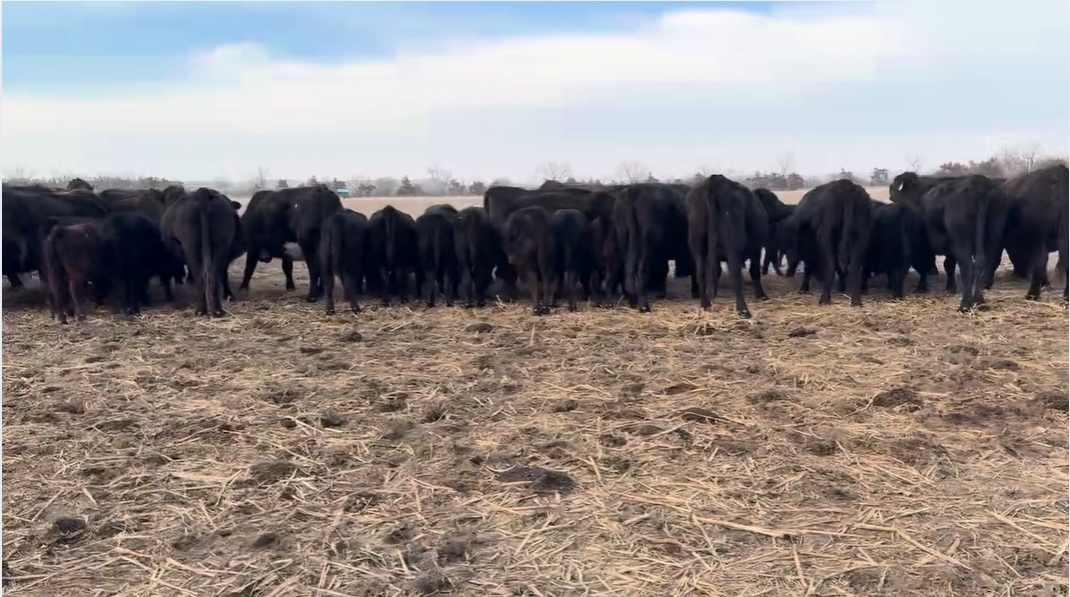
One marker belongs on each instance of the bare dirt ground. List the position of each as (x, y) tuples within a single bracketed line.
[(896, 449)]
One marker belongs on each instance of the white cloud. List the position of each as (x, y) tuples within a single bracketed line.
[(682, 92)]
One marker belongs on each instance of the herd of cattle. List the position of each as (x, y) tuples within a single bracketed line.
[(600, 243)]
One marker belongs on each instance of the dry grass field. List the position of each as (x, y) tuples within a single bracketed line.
[(898, 449)]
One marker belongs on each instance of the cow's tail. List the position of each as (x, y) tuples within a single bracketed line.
[(438, 251), (985, 212), (632, 246), (390, 222), (847, 233), (334, 247), (208, 273)]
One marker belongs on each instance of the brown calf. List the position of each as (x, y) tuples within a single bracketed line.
[(72, 259)]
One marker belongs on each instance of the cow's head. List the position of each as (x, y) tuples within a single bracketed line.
[(905, 189)]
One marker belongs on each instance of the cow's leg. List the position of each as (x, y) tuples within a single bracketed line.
[(77, 285), (250, 267), (328, 289), (570, 283), (828, 270), (288, 271), (735, 267), (756, 275), (949, 271), (700, 273), (1039, 272)]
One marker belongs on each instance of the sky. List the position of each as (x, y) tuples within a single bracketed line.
[(218, 90)]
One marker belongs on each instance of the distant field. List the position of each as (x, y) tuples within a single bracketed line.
[(416, 205)]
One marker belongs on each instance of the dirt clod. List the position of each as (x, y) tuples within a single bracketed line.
[(899, 397), (69, 529), (352, 337), (701, 415), (330, 420), (802, 333), (270, 472), (1054, 401), (479, 328), (540, 480)]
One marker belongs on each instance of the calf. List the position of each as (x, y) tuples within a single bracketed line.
[(529, 247), (202, 228), (572, 247), (477, 250), (392, 240), (891, 244), (776, 211), (964, 218), (1036, 210), (74, 255), (343, 253), (438, 257), (501, 201), (726, 221), (829, 231)]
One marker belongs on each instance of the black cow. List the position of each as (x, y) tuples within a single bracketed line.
[(137, 255), (79, 184), (274, 218), (25, 209), (529, 247), (572, 248), (892, 244), (726, 222), (651, 228), (393, 244), (201, 227), (477, 250), (777, 211), (607, 264), (1036, 209), (829, 231), (438, 253), (965, 219), (148, 202), (344, 254)]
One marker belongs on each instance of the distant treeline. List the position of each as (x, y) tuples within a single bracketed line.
[(439, 182)]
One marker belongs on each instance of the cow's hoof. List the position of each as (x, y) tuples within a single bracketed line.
[(329, 310), (745, 313)]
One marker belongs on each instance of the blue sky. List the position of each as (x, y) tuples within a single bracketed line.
[(207, 90), (95, 44)]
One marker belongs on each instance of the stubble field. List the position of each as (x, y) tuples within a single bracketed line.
[(897, 449)]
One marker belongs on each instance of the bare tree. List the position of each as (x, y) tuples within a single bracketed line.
[(914, 163), (786, 163), (554, 170), (1020, 159), (440, 180), (634, 171), (261, 180)]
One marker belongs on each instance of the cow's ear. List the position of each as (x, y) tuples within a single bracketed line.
[(235, 205)]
